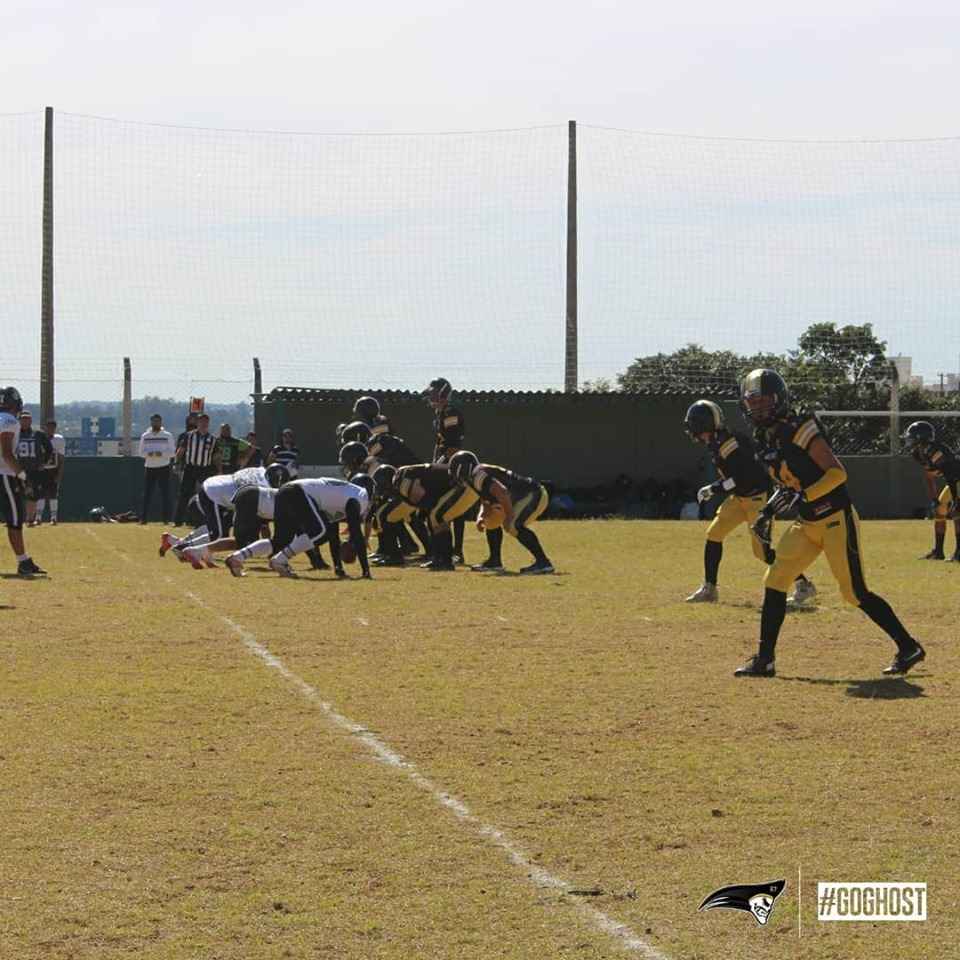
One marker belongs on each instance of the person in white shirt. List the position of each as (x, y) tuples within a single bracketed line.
[(157, 449), (51, 474), (12, 476)]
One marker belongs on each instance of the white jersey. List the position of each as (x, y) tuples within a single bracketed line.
[(9, 424), (222, 488), (265, 507), (331, 495)]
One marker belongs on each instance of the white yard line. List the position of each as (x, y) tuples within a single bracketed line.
[(539, 877)]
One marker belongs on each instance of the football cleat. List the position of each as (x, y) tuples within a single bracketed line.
[(27, 568), (235, 565), (385, 560), (540, 566), (459, 559), (934, 554), (488, 566), (444, 567), (167, 542), (756, 666), (955, 558), (803, 590), (281, 566), (901, 664), (707, 593)]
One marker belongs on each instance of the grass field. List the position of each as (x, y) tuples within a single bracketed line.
[(172, 790)]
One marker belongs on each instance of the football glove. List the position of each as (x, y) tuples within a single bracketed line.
[(709, 491)]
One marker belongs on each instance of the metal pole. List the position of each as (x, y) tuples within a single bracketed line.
[(570, 374), (257, 378), (126, 446), (894, 412), (46, 276)]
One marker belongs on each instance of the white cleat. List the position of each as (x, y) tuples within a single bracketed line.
[(803, 590), (282, 567), (707, 593), (235, 565)]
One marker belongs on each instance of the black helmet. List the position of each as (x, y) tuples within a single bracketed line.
[(764, 396), (357, 431), (366, 408), (384, 477), (704, 416), (920, 432), (352, 455), (462, 465), (277, 475), (438, 391), (11, 400), (363, 480), (339, 431)]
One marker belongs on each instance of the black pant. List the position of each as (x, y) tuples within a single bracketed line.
[(296, 513), (156, 477), (192, 478)]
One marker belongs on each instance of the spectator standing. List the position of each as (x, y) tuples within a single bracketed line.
[(157, 449), (256, 454), (234, 452), (200, 460), (52, 474), (286, 452)]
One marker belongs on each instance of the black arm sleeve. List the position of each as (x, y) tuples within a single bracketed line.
[(355, 526)]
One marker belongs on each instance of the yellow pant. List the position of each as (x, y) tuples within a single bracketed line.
[(838, 536), (392, 511), (734, 511), (451, 505), (528, 508), (944, 503)]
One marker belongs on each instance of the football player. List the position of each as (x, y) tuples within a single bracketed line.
[(12, 476), (509, 502), (367, 410), (938, 461), (307, 514), (810, 478), (33, 451), (426, 487), (448, 430), (745, 482)]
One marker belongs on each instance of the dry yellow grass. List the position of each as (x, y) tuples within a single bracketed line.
[(167, 795)]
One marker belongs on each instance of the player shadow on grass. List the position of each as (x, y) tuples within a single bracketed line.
[(889, 688)]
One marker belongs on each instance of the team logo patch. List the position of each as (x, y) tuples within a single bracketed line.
[(755, 898)]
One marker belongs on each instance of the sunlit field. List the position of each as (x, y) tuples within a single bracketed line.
[(465, 766)]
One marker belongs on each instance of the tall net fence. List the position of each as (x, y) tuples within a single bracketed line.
[(345, 261)]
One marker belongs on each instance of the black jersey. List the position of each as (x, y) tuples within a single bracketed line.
[(33, 449), (735, 458), (517, 485), (448, 428), (939, 459), (434, 478), (386, 448), (784, 447)]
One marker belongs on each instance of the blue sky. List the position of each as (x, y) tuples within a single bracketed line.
[(365, 260)]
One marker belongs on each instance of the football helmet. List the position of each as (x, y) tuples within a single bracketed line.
[(278, 475), (366, 409), (438, 391), (363, 480), (764, 396), (352, 456), (11, 400), (919, 434), (384, 477), (462, 465), (357, 431), (704, 416)]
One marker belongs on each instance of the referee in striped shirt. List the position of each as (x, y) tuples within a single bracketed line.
[(200, 457)]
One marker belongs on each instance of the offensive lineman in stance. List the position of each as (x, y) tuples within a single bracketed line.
[(746, 483), (937, 460), (809, 477)]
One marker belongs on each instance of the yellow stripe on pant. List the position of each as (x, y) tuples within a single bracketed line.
[(837, 536), (734, 511), (944, 503), (528, 508), (451, 505)]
